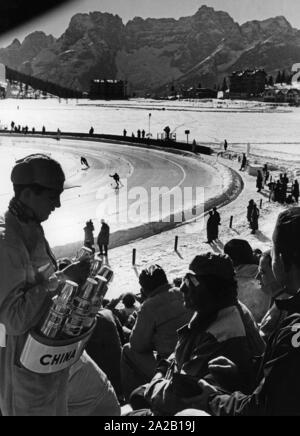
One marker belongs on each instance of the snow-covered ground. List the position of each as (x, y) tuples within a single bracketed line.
[(271, 134), (276, 132), (156, 184), (160, 248)]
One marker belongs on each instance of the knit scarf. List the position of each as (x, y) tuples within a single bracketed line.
[(21, 211), (25, 215)]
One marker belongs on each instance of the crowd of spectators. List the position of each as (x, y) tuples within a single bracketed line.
[(217, 341)]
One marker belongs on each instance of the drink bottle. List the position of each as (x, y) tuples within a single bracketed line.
[(106, 272), (96, 265), (59, 310)]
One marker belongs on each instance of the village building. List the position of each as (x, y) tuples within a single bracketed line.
[(247, 83), (102, 89)]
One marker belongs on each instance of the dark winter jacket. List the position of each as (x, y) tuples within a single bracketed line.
[(103, 237), (231, 333), (278, 378)]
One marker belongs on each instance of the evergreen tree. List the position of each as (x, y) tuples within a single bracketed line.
[(283, 77), (289, 79), (271, 81), (278, 78), (224, 85)]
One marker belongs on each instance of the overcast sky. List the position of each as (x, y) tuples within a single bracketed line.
[(57, 21)]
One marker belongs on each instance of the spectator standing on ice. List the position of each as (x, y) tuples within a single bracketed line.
[(225, 145), (249, 211), (211, 228), (217, 218), (295, 191), (244, 162), (89, 235), (103, 238), (259, 181), (254, 219)]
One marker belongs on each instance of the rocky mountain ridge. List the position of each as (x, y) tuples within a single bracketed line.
[(152, 54)]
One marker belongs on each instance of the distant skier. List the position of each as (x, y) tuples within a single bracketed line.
[(84, 162), (116, 178)]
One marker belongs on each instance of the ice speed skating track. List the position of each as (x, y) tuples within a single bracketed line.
[(92, 199)]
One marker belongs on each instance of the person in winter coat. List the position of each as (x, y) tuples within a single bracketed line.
[(211, 228), (25, 293), (154, 334), (295, 192), (244, 162), (254, 219), (89, 235), (217, 218), (249, 210), (105, 347), (220, 325), (270, 286), (90, 393), (259, 181), (246, 270), (103, 238)]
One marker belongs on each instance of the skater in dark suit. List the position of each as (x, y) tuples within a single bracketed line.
[(84, 162)]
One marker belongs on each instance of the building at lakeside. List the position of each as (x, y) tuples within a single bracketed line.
[(246, 84), (103, 89), (287, 95), (199, 93)]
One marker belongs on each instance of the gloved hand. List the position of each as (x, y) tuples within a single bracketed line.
[(77, 272)]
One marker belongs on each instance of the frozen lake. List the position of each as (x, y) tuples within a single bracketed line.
[(143, 172), (269, 133)]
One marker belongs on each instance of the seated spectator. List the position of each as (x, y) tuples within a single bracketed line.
[(177, 282), (220, 326), (89, 391), (124, 306), (105, 348), (246, 269), (271, 287), (278, 388), (154, 334)]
